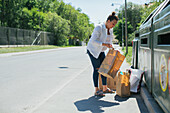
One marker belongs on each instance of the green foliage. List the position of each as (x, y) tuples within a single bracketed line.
[(130, 38), (117, 30), (31, 4), (52, 15), (129, 55), (59, 26), (8, 13), (64, 20), (79, 22), (148, 9), (136, 15), (133, 19), (133, 14)]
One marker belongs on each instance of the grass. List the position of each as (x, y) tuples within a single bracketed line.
[(129, 55), (26, 48)]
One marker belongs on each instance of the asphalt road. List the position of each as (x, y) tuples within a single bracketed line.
[(57, 81)]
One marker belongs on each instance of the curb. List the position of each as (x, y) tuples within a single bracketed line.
[(34, 51), (26, 52), (149, 101)]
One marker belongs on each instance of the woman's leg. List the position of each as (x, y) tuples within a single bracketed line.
[(96, 64), (104, 79)]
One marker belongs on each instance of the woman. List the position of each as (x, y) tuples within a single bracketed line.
[(100, 40)]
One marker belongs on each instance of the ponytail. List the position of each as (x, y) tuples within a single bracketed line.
[(113, 17)]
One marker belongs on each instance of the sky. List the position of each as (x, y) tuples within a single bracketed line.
[(99, 10)]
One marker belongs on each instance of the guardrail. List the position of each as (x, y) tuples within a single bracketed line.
[(14, 36)]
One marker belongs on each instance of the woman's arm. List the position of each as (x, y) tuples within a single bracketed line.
[(107, 45), (96, 36)]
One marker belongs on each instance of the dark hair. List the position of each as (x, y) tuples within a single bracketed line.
[(113, 17)]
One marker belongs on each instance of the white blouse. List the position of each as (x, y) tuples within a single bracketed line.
[(98, 37)]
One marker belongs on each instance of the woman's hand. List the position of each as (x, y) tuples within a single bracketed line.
[(107, 45)]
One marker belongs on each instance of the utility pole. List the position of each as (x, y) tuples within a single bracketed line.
[(122, 32), (126, 38)]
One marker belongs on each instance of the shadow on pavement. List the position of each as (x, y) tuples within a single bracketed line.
[(138, 98), (140, 102), (63, 67), (93, 104), (121, 99)]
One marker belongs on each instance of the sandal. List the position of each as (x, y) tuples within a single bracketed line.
[(108, 91), (99, 93)]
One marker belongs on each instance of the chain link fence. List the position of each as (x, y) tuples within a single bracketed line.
[(14, 36)]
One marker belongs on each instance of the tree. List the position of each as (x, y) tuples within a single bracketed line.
[(9, 12), (133, 14), (148, 9), (136, 14), (46, 15), (31, 4), (79, 22), (117, 30), (59, 26)]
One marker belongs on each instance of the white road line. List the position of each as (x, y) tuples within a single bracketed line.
[(46, 99)]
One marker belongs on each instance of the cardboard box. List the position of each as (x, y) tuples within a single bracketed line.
[(111, 63), (111, 83)]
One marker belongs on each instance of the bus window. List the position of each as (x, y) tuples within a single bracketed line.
[(164, 39), (144, 41)]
